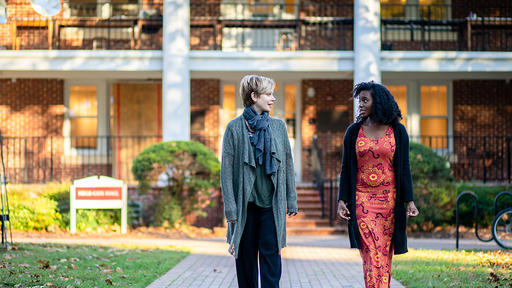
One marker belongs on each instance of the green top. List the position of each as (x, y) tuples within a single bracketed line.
[(262, 191)]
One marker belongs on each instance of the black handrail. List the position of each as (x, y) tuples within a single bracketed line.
[(475, 213)]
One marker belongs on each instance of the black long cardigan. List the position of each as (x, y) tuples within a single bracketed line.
[(404, 192)]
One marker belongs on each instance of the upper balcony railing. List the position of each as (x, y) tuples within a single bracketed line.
[(219, 25), (247, 25), (447, 27), (116, 25), (263, 26)]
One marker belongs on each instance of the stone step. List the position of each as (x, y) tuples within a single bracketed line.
[(308, 193), (310, 206), (304, 222), (311, 214), (314, 230), (308, 199)]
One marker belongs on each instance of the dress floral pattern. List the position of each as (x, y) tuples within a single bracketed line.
[(375, 205)]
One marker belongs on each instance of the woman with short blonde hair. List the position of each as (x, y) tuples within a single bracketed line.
[(258, 185)]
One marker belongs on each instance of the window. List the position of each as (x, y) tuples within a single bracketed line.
[(228, 110), (261, 8), (434, 116), (83, 116), (400, 94), (102, 9), (421, 9), (290, 95), (392, 9)]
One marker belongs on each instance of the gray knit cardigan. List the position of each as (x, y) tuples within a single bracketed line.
[(238, 172)]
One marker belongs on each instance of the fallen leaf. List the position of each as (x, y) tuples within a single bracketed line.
[(118, 269), (106, 271), (109, 282), (10, 256), (44, 264)]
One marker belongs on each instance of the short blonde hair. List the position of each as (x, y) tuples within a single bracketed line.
[(257, 84)]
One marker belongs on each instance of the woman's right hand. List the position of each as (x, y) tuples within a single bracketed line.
[(343, 213)]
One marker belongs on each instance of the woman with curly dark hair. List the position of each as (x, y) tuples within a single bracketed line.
[(375, 182)]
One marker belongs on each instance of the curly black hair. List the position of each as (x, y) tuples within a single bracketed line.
[(384, 107)]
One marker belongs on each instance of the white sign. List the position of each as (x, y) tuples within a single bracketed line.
[(98, 192)]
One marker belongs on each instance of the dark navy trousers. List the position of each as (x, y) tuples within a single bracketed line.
[(259, 240)]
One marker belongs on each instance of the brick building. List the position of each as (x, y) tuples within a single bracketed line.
[(84, 91)]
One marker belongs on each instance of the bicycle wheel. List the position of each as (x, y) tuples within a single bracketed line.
[(502, 228)]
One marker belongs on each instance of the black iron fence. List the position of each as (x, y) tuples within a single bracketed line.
[(57, 158), (483, 158), (465, 27)]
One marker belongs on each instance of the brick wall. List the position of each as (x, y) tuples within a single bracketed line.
[(31, 107), (482, 116), (205, 104), (329, 95), (482, 107)]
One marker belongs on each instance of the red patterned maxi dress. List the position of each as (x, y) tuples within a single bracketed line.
[(375, 204)]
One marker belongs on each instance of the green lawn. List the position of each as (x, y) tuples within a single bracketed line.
[(57, 265), (439, 268)]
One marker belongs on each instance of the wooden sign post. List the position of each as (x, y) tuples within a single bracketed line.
[(98, 192)]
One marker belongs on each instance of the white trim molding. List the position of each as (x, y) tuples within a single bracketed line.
[(80, 60), (136, 62), (445, 61), (272, 61)]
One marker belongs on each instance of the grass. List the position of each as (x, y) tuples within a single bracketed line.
[(58, 265), (441, 268)]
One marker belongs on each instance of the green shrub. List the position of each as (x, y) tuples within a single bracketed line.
[(46, 207), (30, 210), (434, 189), (168, 211), (192, 171), (486, 195), (427, 165)]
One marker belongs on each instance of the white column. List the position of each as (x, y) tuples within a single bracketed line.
[(366, 42), (176, 72)]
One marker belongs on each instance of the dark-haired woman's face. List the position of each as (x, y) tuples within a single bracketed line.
[(365, 103)]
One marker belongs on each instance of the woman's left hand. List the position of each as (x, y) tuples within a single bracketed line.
[(412, 211), (291, 214)]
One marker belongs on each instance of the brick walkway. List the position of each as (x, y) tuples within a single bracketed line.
[(308, 261), (304, 265)]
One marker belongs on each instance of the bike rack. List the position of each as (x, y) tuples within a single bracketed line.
[(501, 194), (475, 213)]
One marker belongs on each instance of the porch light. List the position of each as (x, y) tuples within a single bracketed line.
[(46, 7), (311, 92)]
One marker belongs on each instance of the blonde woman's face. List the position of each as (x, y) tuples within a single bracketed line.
[(263, 102)]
